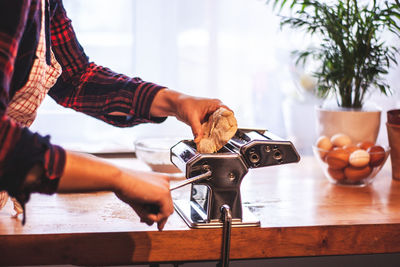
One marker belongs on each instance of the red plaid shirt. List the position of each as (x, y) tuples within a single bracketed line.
[(83, 86)]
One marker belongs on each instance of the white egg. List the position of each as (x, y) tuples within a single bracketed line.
[(359, 158), (340, 140)]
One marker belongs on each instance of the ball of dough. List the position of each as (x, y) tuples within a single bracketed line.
[(217, 131)]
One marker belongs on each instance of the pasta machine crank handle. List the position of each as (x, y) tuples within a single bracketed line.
[(191, 180)]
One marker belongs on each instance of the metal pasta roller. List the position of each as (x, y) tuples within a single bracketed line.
[(216, 177)]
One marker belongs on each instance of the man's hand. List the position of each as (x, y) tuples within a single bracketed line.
[(191, 110), (149, 195)]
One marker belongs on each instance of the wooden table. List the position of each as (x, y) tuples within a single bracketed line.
[(301, 214)]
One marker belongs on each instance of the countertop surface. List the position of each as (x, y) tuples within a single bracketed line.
[(301, 214)]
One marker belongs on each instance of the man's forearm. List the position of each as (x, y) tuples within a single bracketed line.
[(164, 103), (147, 193), (86, 173)]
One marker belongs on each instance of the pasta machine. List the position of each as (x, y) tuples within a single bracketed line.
[(215, 178)]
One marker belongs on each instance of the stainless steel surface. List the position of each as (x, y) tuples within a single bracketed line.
[(195, 217), (191, 180), (247, 149), (226, 235), (262, 150)]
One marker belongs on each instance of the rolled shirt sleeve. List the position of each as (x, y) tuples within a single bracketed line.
[(92, 89), (20, 150)]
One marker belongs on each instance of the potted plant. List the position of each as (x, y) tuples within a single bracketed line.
[(353, 58)]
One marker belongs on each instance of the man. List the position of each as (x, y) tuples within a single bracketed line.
[(39, 55)]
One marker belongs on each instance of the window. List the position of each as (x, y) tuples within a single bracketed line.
[(228, 49)]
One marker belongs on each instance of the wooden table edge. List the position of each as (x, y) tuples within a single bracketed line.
[(116, 248)]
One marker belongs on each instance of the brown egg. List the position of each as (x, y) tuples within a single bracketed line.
[(355, 174), (323, 142), (359, 158), (324, 145), (351, 148), (377, 155), (338, 175), (338, 158), (365, 145), (340, 140)]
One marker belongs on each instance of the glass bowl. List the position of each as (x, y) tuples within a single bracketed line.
[(349, 168), (155, 152)]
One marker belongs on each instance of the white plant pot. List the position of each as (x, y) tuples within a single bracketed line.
[(359, 125)]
